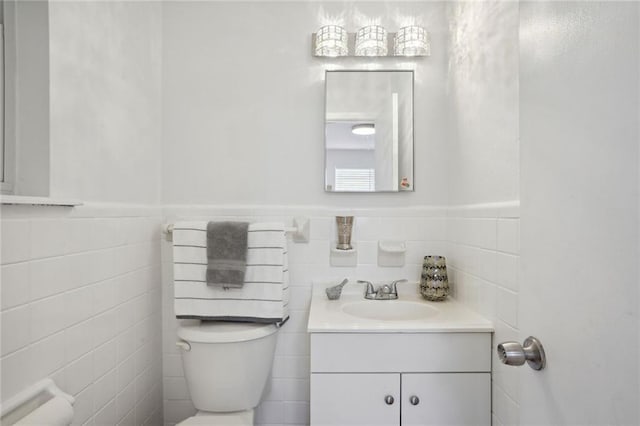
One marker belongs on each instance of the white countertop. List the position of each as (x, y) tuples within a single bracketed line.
[(326, 316)]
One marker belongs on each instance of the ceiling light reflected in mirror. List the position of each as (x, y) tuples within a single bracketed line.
[(364, 129)]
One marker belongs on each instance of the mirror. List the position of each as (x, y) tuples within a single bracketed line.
[(26, 83), (369, 131)]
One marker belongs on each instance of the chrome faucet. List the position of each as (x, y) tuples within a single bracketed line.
[(384, 292)]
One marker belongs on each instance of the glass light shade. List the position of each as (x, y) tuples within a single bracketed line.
[(412, 41), (371, 41), (365, 129), (331, 40)]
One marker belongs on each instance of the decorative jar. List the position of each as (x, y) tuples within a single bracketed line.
[(434, 284)]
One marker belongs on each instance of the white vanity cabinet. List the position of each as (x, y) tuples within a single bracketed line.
[(400, 379)]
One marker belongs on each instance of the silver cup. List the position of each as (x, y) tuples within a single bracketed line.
[(345, 225)]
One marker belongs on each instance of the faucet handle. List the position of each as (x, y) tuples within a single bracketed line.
[(369, 290), (393, 285)]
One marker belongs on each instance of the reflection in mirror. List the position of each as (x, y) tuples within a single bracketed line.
[(369, 131)]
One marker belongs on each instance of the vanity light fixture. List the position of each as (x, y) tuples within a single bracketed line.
[(364, 129), (371, 41), (411, 41), (331, 41)]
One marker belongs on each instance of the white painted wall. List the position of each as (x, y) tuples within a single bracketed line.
[(105, 100), (243, 101), (483, 172), (579, 112), (482, 147)]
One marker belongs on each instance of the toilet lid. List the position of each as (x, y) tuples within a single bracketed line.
[(224, 332)]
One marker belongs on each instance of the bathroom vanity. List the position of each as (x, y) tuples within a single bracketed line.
[(398, 362)]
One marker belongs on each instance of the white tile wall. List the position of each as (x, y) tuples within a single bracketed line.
[(80, 302), (286, 399), (92, 305), (483, 258)]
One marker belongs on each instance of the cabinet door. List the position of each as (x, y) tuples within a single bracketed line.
[(355, 399), (446, 399)]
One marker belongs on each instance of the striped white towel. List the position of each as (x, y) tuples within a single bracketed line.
[(264, 297)]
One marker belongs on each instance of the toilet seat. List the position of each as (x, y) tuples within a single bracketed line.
[(240, 418)]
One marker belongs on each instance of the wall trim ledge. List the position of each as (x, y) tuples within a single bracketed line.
[(504, 209)]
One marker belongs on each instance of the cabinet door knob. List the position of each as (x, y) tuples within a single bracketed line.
[(414, 400), (389, 400)]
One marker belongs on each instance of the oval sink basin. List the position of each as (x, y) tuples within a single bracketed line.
[(390, 310)]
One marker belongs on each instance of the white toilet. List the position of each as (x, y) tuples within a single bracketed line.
[(226, 365)]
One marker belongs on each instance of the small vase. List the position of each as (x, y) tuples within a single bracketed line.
[(434, 284), (345, 224)]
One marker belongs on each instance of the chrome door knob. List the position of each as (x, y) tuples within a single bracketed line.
[(389, 400), (414, 400), (531, 351)]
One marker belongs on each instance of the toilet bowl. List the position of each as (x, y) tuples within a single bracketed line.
[(226, 366)]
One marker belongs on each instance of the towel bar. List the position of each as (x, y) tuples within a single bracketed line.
[(299, 231)]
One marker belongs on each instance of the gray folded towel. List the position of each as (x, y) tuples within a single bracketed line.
[(226, 253)]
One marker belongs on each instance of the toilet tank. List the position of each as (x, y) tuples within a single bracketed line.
[(228, 364)]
